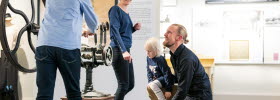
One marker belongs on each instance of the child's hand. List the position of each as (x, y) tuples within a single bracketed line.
[(167, 95), (154, 78)]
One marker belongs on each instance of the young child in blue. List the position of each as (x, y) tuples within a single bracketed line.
[(158, 72)]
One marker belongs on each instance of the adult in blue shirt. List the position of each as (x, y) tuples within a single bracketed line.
[(121, 29), (59, 43), (193, 82)]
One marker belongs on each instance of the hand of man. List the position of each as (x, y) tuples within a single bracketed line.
[(127, 56), (87, 33), (167, 95), (137, 26)]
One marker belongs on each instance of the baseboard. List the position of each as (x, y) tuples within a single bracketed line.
[(224, 96)]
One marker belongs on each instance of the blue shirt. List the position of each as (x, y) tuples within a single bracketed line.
[(62, 23), (158, 69), (121, 29)]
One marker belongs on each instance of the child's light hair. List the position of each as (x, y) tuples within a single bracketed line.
[(153, 45)]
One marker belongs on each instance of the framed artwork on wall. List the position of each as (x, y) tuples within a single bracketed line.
[(239, 50)]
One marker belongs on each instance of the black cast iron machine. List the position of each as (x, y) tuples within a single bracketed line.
[(92, 57)]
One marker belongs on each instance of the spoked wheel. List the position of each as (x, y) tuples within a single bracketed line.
[(108, 55), (29, 28)]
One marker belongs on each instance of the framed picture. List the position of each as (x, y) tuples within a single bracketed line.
[(239, 50)]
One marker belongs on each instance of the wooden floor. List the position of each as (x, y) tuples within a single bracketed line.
[(94, 98)]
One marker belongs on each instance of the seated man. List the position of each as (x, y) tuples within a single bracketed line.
[(159, 75), (193, 82)]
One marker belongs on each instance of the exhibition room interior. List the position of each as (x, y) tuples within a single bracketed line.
[(236, 41)]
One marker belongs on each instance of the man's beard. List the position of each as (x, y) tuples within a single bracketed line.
[(167, 44)]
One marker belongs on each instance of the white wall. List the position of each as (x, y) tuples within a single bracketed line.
[(182, 13), (246, 82), (206, 41)]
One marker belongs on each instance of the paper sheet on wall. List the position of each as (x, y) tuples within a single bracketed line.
[(141, 12)]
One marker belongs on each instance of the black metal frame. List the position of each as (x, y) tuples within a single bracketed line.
[(30, 27)]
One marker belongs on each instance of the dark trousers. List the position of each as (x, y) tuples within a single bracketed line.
[(124, 74), (48, 60), (8, 78)]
